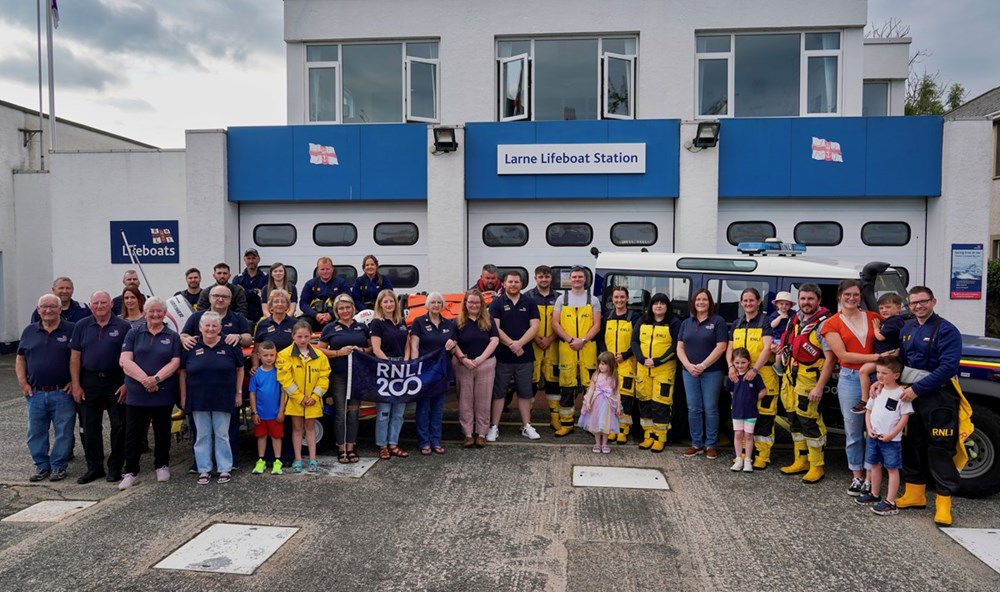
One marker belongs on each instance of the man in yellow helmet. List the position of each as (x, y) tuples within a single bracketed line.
[(576, 319)]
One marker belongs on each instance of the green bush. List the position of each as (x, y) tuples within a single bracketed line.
[(993, 299)]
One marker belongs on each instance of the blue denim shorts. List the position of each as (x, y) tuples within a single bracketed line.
[(887, 454)]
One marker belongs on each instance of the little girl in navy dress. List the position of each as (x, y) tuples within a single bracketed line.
[(745, 394), (602, 405)]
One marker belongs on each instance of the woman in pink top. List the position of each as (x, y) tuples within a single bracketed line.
[(851, 336)]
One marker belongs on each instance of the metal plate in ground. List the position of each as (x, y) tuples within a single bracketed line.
[(984, 543), (329, 466), (621, 477), (229, 548), (48, 511)]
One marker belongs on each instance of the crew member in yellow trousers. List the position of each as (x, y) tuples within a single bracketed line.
[(576, 319), (654, 344), (545, 374), (809, 369), (617, 339)]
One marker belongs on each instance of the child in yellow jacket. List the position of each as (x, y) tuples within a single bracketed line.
[(304, 375)]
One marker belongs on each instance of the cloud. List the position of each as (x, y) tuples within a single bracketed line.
[(71, 70), (132, 105)]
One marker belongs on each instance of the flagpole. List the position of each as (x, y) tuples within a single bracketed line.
[(137, 263), (52, 90), (41, 124)]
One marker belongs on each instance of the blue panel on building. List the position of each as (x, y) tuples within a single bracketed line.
[(328, 162), (881, 157), (754, 158), (904, 155), (661, 179), (259, 163), (842, 172), (394, 161)]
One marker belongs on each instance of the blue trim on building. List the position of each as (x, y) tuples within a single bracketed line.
[(661, 180), (882, 157), (375, 162)]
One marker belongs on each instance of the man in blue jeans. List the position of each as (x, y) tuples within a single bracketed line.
[(42, 369)]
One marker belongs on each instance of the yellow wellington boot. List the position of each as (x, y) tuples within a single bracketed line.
[(815, 474), (623, 433), (648, 440), (660, 434), (800, 464), (914, 496), (763, 456), (554, 420), (566, 427), (942, 510)]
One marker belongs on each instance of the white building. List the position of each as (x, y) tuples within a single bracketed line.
[(369, 84)]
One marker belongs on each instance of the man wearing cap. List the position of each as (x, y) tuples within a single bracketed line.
[(42, 368), (69, 309), (98, 382), (239, 297), (576, 319), (253, 281)]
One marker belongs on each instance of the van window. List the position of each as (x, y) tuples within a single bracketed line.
[(560, 277), (642, 287), (727, 296)]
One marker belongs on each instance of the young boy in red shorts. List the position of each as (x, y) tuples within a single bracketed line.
[(267, 401)]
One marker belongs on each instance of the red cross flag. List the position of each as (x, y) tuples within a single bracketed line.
[(826, 150), (161, 236), (319, 154)]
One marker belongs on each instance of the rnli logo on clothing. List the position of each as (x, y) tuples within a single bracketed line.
[(113, 333), (147, 241), (942, 432), (62, 339), (199, 351), (165, 341), (398, 380)]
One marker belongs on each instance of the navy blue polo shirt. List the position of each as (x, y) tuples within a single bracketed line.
[(432, 337), (337, 335), (192, 299), (100, 347), (252, 286), (515, 320), (366, 289), (46, 353), (232, 324), (317, 288), (393, 336), (152, 352), (279, 333), (116, 304), (701, 338), (210, 376), (75, 313), (473, 341)]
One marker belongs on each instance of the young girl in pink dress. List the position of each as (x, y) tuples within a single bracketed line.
[(602, 405)]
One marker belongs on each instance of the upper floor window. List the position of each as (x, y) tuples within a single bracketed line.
[(373, 82), (875, 99), (768, 75), (562, 79)]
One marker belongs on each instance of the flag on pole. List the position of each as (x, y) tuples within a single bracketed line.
[(55, 14)]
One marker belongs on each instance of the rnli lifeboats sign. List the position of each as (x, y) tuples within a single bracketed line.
[(150, 241), (571, 159)]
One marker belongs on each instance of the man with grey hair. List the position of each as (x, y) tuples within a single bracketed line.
[(98, 383), (42, 369)]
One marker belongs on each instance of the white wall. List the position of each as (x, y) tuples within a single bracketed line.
[(212, 222), (446, 218)]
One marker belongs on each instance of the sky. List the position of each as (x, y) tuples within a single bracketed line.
[(150, 69)]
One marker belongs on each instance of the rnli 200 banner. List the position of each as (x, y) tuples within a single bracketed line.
[(388, 381), (571, 159)]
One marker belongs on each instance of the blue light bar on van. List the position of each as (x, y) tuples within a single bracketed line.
[(771, 248)]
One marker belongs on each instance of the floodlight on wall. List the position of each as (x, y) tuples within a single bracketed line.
[(445, 139), (707, 135)]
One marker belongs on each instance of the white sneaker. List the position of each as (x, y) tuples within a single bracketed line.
[(738, 465), (163, 474), (493, 434), (530, 432), (128, 480), (747, 465)]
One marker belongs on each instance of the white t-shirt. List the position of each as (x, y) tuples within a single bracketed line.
[(887, 409), (577, 300)]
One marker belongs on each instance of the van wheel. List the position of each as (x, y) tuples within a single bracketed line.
[(324, 434), (981, 476)]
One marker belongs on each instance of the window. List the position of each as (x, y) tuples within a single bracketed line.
[(904, 276), (707, 264), (502, 273), (348, 273), (727, 294), (768, 75), (291, 274), (274, 235), (875, 99), (819, 234), (996, 150), (885, 234), (573, 234), (642, 287), (373, 82), (563, 79), (401, 276), (505, 235), (335, 234), (750, 232), (996, 249), (633, 234), (396, 234)]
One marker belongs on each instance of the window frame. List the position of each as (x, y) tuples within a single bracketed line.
[(295, 235), (604, 59), (405, 60), (611, 233), (416, 273), (868, 243), (416, 230), (525, 84), (888, 95), (527, 235), (833, 222), (587, 224), (729, 240), (804, 56), (333, 246)]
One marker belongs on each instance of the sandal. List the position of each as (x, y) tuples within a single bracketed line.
[(342, 457), (596, 448), (426, 451), (397, 451), (352, 456), (313, 467), (438, 450), (383, 453), (204, 478)]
